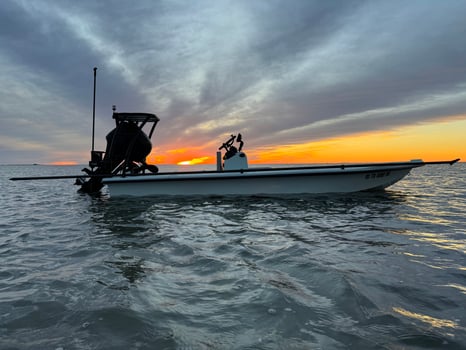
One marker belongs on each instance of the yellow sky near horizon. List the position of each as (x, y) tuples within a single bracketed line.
[(436, 141)]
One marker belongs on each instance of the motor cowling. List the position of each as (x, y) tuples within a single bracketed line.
[(126, 142)]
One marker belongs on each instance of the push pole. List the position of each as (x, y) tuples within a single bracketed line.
[(93, 111)]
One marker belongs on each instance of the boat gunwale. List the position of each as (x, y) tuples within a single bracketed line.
[(254, 173)]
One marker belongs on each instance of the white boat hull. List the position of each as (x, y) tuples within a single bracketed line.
[(311, 180)]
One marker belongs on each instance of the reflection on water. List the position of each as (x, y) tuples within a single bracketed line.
[(432, 321), (457, 286)]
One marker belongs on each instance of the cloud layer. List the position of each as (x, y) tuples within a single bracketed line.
[(280, 72)]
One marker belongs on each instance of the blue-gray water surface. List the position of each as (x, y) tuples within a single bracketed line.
[(383, 270)]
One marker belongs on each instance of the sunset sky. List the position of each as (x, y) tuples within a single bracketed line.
[(303, 81)]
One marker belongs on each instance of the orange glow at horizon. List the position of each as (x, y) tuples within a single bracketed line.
[(434, 141), (64, 163), (179, 156), (201, 160)]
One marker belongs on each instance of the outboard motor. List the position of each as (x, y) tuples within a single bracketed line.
[(126, 151)]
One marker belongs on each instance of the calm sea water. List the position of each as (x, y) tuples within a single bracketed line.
[(380, 270)]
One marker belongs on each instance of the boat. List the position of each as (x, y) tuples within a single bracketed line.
[(123, 168)]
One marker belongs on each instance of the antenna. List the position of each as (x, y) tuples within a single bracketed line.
[(93, 111)]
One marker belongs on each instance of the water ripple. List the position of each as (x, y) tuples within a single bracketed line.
[(373, 270)]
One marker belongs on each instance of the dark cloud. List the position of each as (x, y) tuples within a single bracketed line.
[(284, 72)]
